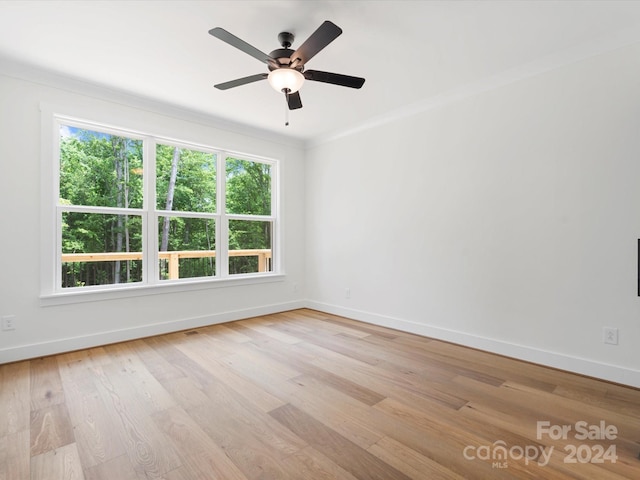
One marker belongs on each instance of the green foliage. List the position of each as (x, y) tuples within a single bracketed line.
[(88, 170), (195, 189), (248, 187)]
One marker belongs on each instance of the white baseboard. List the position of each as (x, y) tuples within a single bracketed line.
[(582, 366), (35, 350)]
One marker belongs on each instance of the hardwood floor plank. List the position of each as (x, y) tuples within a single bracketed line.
[(148, 451), (417, 359), (186, 392), (309, 463), (444, 445), (243, 386), (454, 366), (315, 323), (232, 408), (253, 457), (295, 391), (246, 359), (527, 430), (15, 398), (15, 453), (61, 463), (410, 462), (90, 358), (133, 379), (365, 328), (337, 345), (332, 408), (465, 430), (50, 429), (198, 452), (349, 456), (46, 386), (623, 396), (479, 361), (382, 381), (183, 473), (116, 468), (288, 356), (598, 399), (575, 410), (191, 369), (208, 465), (262, 324), (158, 366), (96, 438), (223, 332)]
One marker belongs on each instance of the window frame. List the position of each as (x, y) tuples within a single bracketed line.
[(53, 293)]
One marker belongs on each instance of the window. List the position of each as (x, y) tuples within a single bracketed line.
[(248, 206), (134, 209), (186, 186)]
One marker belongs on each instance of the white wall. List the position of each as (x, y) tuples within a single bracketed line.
[(507, 220), (48, 329)]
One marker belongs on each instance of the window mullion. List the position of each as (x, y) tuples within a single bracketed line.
[(222, 230), (255, 218), (275, 222), (57, 227), (150, 239), (58, 264)]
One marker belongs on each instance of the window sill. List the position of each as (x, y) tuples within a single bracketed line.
[(93, 294)]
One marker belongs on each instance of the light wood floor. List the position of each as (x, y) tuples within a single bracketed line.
[(306, 395)]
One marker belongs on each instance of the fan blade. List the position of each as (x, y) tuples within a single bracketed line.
[(234, 41), (294, 101), (334, 78), (323, 36), (241, 81)]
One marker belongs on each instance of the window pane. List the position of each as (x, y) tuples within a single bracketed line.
[(249, 246), (186, 180), (248, 187), (187, 247), (100, 249), (99, 169)]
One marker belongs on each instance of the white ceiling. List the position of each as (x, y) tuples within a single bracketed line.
[(412, 53)]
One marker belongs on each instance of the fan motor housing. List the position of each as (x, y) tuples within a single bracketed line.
[(283, 57)]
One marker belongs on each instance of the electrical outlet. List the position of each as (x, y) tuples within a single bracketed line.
[(610, 335), (347, 292), (8, 322)]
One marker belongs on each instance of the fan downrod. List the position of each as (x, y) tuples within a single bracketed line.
[(285, 39)]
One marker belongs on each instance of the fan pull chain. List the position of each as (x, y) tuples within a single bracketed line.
[(286, 115), (286, 106)]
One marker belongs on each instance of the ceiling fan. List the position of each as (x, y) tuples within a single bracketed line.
[(286, 66)]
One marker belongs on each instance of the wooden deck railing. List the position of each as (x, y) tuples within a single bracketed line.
[(264, 256)]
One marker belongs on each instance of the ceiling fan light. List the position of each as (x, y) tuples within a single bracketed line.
[(286, 78)]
